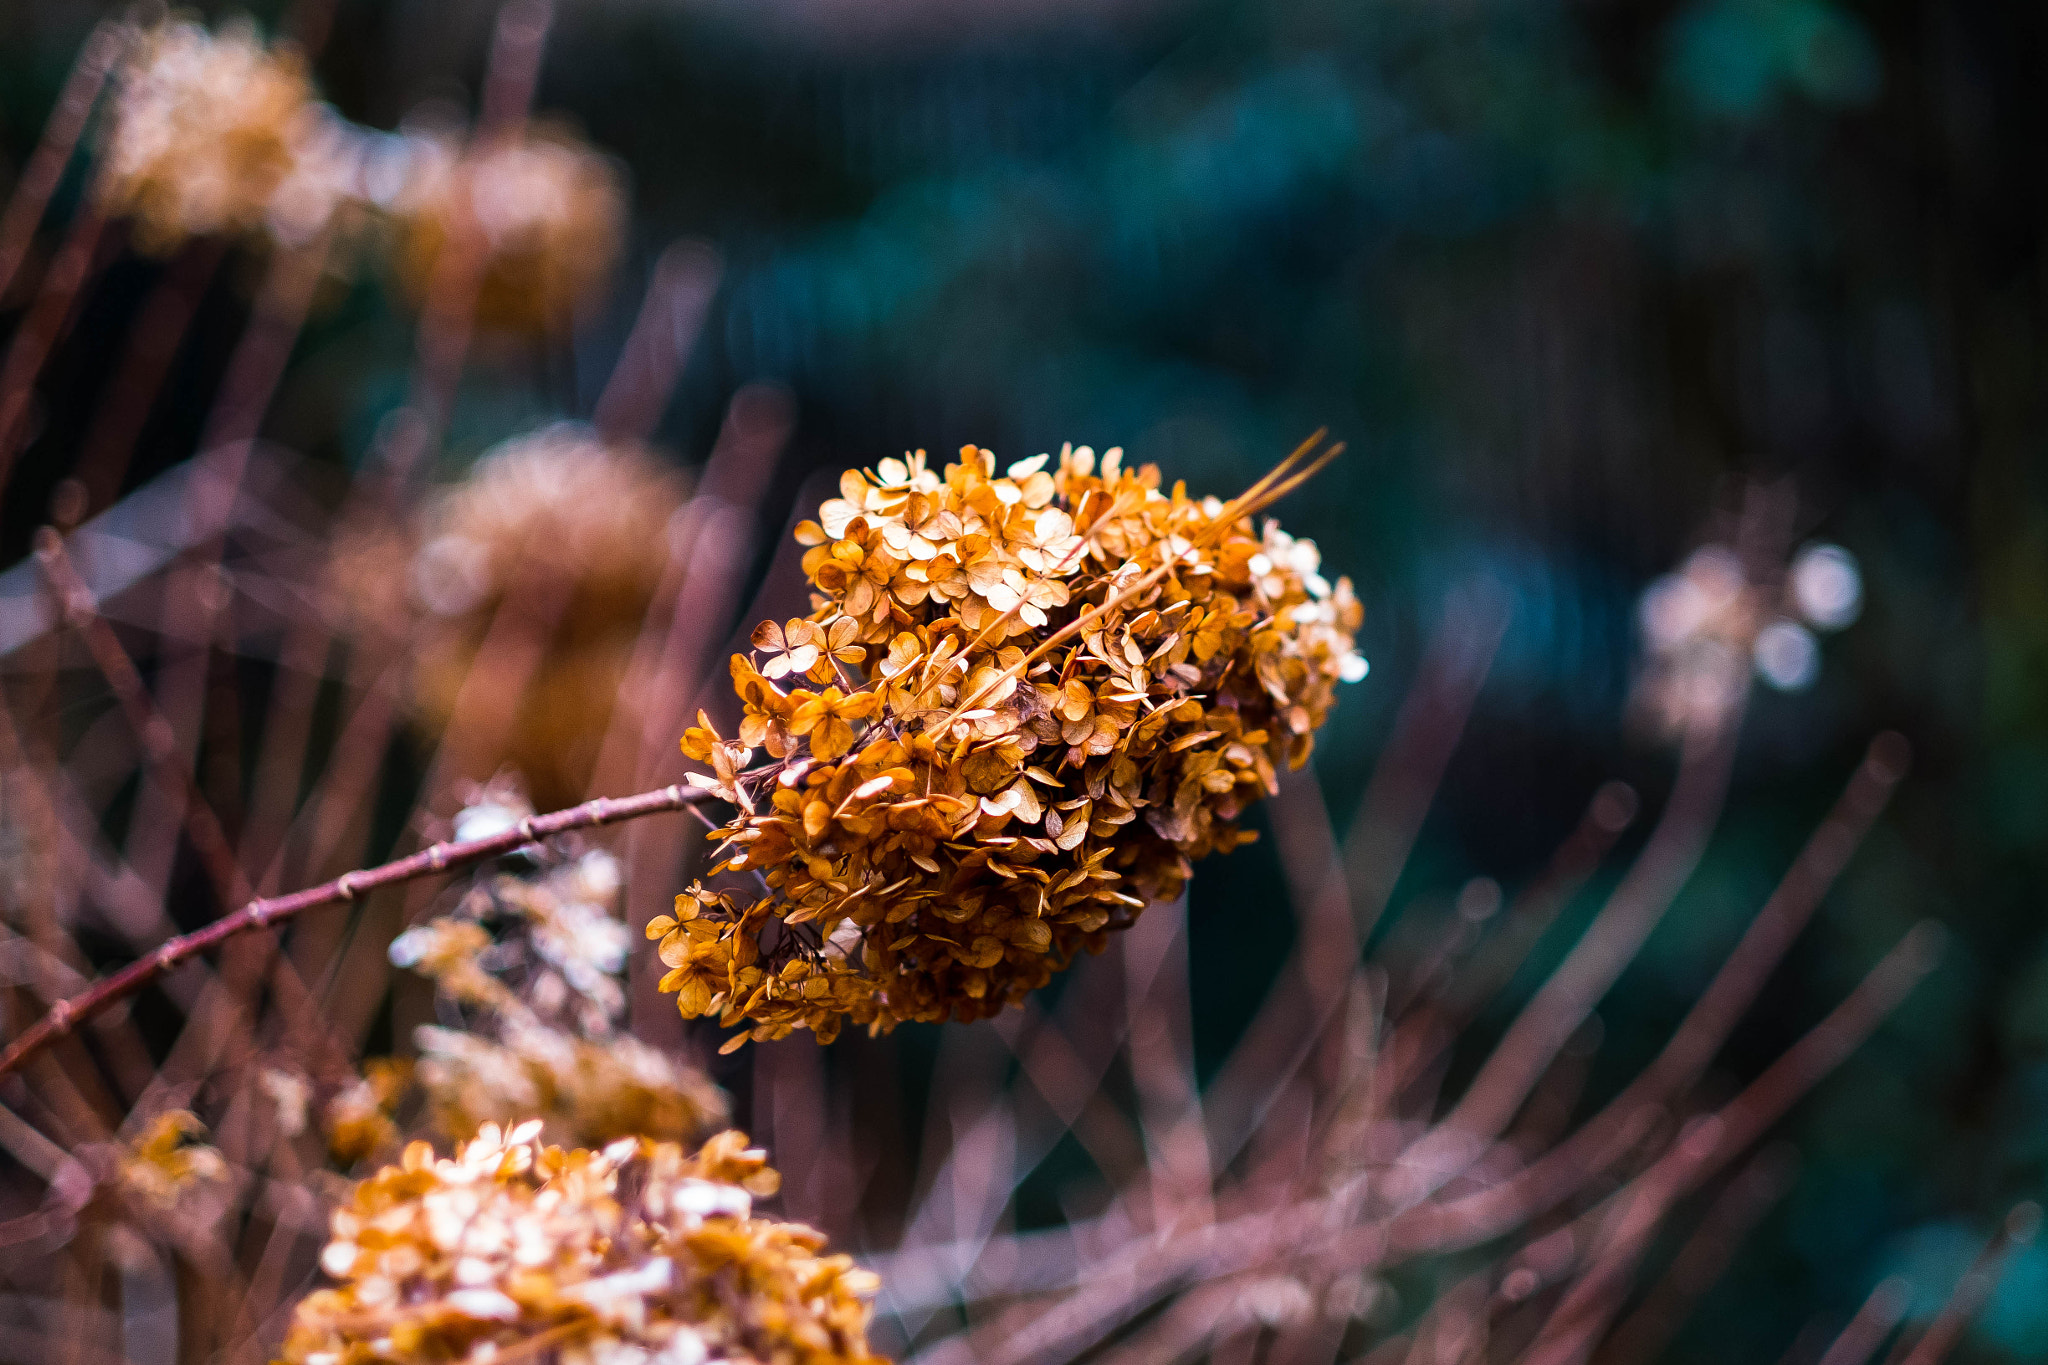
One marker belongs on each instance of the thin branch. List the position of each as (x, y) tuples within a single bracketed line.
[(1975, 1287), (48, 318), (1871, 1325), (1711, 1142), (263, 913), (61, 132)]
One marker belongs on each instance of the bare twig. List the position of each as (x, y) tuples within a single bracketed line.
[(1641, 1207), (262, 913), (1623, 1121)]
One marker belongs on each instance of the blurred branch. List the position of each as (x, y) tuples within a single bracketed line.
[(31, 194), (2018, 1229), (1873, 1322)]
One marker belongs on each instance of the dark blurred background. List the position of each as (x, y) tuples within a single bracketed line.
[(1567, 277)]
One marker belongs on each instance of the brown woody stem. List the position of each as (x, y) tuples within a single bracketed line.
[(66, 1015)]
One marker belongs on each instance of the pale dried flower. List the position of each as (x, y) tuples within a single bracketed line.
[(636, 1252), (215, 135), (169, 1163), (532, 959), (565, 526), (1718, 620), (545, 209)]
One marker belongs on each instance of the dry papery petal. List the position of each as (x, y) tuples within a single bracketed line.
[(1023, 704), (638, 1251)]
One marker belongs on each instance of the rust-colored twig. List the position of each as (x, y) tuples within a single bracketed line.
[(264, 912)]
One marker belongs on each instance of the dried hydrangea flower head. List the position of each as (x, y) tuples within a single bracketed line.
[(531, 963), (546, 210), (169, 1163), (357, 1120), (1719, 619), (215, 135), (635, 1253), (572, 532), (1024, 703)]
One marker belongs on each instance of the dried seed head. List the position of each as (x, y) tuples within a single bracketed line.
[(1022, 706), (546, 211), (636, 1252), (559, 534)]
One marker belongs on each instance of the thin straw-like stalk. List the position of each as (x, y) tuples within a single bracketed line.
[(1564, 1000), (671, 317), (1342, 894), (139, 375), (1705, 1257)]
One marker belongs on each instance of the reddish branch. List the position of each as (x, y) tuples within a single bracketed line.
[(262, 913), (53, 152)]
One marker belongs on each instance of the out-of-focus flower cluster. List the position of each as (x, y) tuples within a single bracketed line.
[(1023, 704), (530, 962), (169, 1164), (557, 534), (1717, 620), (217, 135), (636, 1254), (547, 212)]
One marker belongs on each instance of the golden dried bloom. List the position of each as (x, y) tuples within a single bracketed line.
[(552, 1046), (169, 1162), (216, 135), (358, 1120), (547, 212), (1022, 706), (572, 532), (636, 1253), (586, 1091)]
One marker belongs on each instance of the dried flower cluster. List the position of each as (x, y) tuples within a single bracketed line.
[(568, 532), (358, 1119), (169, 1163), (215, 135), (530, 960), (1023, 704), (1718, 619), (546, 211), (637, 1254)]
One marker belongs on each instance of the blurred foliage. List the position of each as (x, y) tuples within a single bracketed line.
[(1565, 275)]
